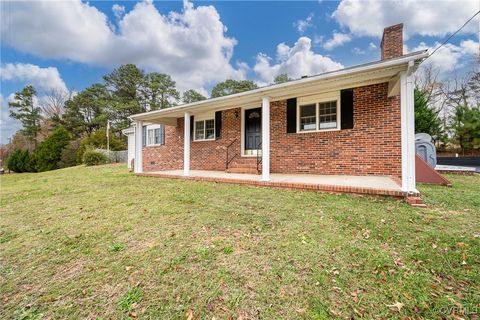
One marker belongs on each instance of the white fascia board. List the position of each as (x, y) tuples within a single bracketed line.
[(256, 94)]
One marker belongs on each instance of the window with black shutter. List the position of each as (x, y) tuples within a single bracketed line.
[(144, 136), (218, 124), (346, 98), (292, 115)]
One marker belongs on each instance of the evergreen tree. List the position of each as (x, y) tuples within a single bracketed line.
[(466, 127), (49, 152), (125, 85), (426, 119), (232, 86), (159, 91), (281, 78), (24, 110), (20, 161), (87, 111), (190, 96)]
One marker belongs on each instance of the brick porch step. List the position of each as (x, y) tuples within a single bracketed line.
[(416, 202), (243, 165), (243, 170)]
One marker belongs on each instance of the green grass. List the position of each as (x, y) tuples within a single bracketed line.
[(98, 242)]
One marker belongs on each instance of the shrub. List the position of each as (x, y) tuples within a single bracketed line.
[(48, 153), (98, 139), (94, 158), (21, 161), (68, 157)]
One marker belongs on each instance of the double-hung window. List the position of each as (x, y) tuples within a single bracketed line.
[(156, 136), (327, 115), (308, 117), (204, 130), (317, 114)]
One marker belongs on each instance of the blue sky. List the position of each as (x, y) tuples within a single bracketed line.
[(69, 45)]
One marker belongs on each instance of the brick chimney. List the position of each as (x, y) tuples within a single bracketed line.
[(392, 42)]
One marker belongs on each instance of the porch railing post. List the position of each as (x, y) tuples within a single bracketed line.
[(186, 145), (407, 116), (266, 139)]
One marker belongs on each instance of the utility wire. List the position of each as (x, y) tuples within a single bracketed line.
[(451, 36)]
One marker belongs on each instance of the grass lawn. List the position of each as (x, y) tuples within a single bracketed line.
[(100, 243)]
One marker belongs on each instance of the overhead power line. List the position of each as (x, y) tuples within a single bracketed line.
[(452, 35)]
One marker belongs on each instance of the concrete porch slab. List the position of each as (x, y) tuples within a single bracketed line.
[(374, 185)]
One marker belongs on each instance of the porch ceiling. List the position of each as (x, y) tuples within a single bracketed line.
[(377, 72)]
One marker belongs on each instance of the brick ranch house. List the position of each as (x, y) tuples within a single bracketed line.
[(350, 130)]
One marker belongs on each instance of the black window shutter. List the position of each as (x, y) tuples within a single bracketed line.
[(191, 127), (144, 136), (162, 134), (292, 115), (218, 124), (346, 98)]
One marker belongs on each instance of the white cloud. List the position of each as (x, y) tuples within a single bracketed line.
[(357, 50), (470, 47), (295, 61), (56, 29), (118, 11), (338, 39), (449, 57), (7, 125), (191, 45), (46, 79), (372, 46), (303, 25), (317, 39), (425, 18)]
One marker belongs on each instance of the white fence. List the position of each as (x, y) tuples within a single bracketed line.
[(115, 156)]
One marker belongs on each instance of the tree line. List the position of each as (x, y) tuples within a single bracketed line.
[(59, 127), (449, 110)]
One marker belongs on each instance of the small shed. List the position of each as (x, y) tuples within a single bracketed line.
[(425, 149)]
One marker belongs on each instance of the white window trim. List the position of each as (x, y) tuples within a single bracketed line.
[(153, 128), (204, 129), (317, 100)]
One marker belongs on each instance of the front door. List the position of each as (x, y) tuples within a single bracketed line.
[(253, 129)]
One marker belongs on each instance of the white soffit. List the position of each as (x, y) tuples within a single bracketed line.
[(377, 72)]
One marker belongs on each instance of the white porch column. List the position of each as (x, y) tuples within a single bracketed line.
[(186, 145), (266, 139), (138, 165), (407, 131)]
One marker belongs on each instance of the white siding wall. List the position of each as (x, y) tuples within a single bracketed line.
[(131, 149)]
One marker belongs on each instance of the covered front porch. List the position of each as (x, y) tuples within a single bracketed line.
[(350, 130), (371, 185)]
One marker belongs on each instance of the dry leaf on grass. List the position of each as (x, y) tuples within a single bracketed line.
[(397, 305)]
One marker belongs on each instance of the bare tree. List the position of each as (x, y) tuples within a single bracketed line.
[(426, 80), (53, 102)]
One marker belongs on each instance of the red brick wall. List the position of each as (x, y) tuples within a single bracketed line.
[(204, 155), (211, 155), (372, 147), (392, 42), (168, 156)]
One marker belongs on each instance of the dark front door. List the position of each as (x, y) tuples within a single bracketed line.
[(253, 129)]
